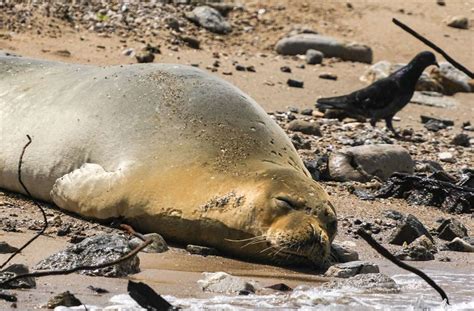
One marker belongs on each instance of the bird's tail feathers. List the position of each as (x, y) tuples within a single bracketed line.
[(338, 102)]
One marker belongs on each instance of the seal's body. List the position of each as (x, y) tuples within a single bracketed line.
[(169, 148)]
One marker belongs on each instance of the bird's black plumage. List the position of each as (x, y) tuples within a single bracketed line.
[(385, 97)]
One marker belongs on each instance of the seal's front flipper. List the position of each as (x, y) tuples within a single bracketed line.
[(90, 191)]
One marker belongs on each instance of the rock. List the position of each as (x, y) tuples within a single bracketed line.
[(419, 250), (201, 250), (65, 299), (221, 282), (343, 253), (295, 83), (426, 119), (285, 69), (395, 215), (440, 2), (239, 67), (305, 127), (348, 269), (299, 142), (13, 270), (434, 125), (8, 297), (446, 157), (280, 287), (314, 57), (6, 248), (450, 229), (63, 53), (98, 290), (461, 139), (433, 99), (362, 163), (192, 42), (92, 251), (369, 283), (460, 22), (210, 19), (307, 112), (328, 76), (330, 47), (451, 79), (157, 246), (408, 230), (145, 57), (250, 69), (459, 245)]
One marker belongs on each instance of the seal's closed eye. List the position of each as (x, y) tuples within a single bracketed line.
[(285, 203)]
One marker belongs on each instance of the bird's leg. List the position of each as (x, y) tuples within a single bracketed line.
[(388, 121)]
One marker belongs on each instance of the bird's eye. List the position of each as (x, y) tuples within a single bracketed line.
[(285, 203)]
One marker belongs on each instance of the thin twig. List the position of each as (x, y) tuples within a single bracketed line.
[(385, 253), (38, 274), (45, 220), (434, 47)]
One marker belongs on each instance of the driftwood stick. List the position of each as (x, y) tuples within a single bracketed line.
[(434, 47), (37, 274), (385, 253), (45, 220)]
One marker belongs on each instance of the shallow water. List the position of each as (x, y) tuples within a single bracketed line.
[(415, 295)]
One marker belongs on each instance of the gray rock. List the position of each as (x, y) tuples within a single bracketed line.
[(6, 248), (314, 57), (92, 251), (461, 139), (362, 163), (13, 270), (433, 99), (446, 157), (210, 19), (408, 230), (145, 57), (368, 283), (451, 79), (460, 22), (459, 245), (348, 269), (342, 253), (414, 253), (305, 127), (201, 250), (65, 299), (157, 246), (395, 215), (450, 229), (329, 46), (328, 76), (295, 83), (221, 282)]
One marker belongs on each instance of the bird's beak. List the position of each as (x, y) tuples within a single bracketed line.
[(436, 64)]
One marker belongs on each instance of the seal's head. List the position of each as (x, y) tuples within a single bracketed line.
[(293, 219)]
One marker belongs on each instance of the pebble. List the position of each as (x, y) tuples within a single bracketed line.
[(462, 140), (328, 76), (201, 250), (450, 229), (295, 83), (157, 246), (370, 283), (446, 157), (460, 22), (314, 57), (285, 69), (17, 269), (210, 19), (459, 245), (305, 127), (348, 269), (65, 299), (307, 112), (145, 57), (344, 253), (221, 282)]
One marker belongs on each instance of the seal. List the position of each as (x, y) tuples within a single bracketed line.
[(169, 149)]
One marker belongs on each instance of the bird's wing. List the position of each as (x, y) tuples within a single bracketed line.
[(376, 96)]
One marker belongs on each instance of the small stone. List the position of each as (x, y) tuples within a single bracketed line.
[(408, 230), (392, 214), (305, 127), (376, 283), (63, 53), (157, 246), (201, 250), (440, 2), (210, 19), (314, 57), (459, 245), (295, 83), (64, 230), (328, 76), (13, 270), (285, 69), (145, 57), (434, 125), (444, 259), (419, 250), (446, 157), (460, 22), (221, 282), (450, 229), (349, 269), (6, 248), (280, 287), (192, 42), (343, 253), (239, 67), (65, 299), (98, 290), (307, 112), (250, 69), (461, 140)]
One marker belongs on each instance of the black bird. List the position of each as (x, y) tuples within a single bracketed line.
[(385, 97)]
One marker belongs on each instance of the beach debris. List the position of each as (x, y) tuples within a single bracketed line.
[(92, 251), (408, 230), (305, 127), (201, 250), (147, 298), (13, 270), (65, 299), (459, 245), (362, 163), (210, 19), (450, 229), (425, 190), (221, 282), (6, 248), (329, 46), (314, 57), (157, 246), (369, 283), (348, 269)]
